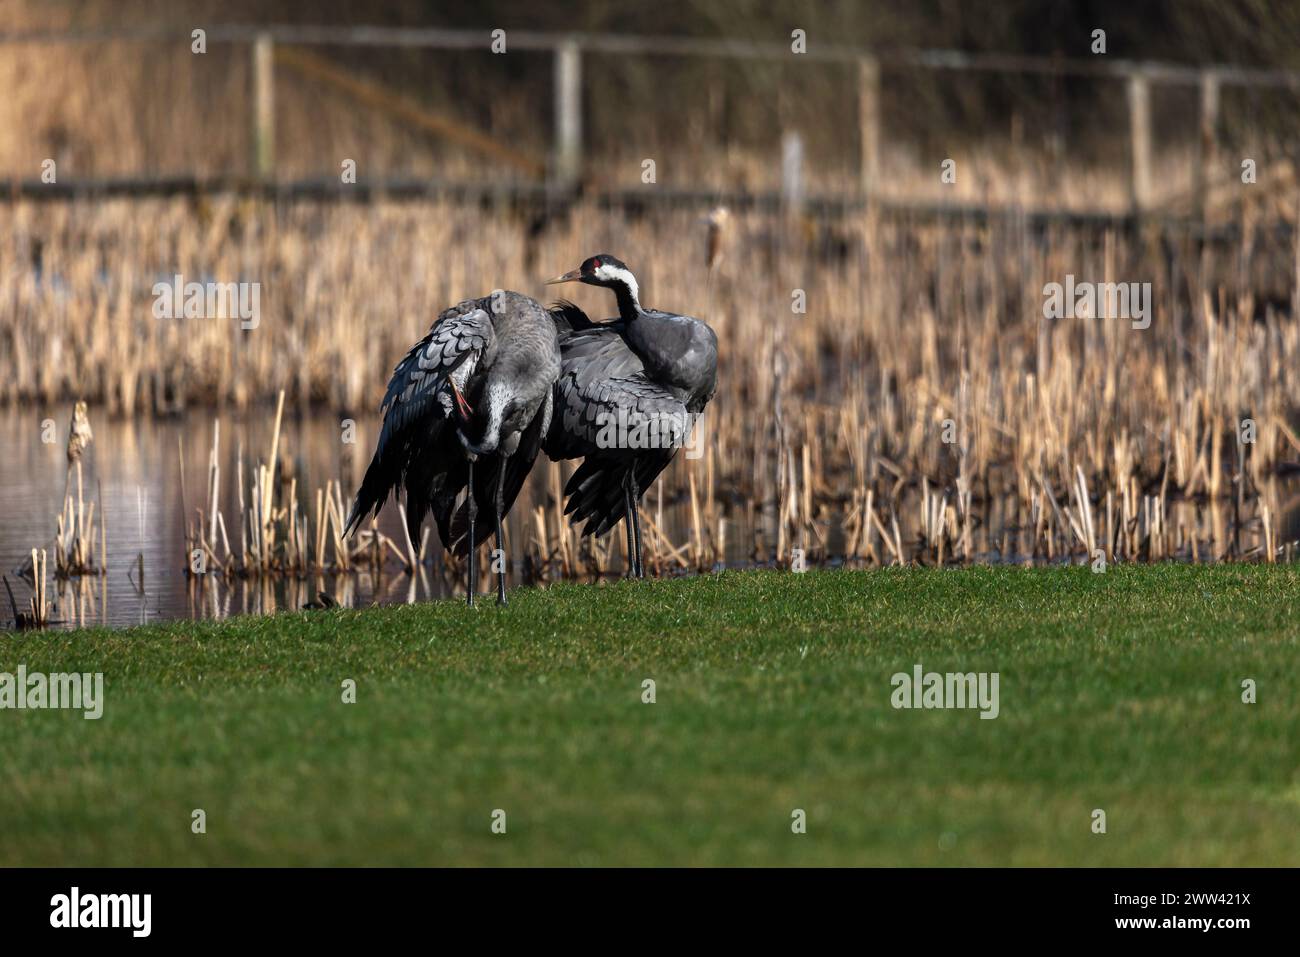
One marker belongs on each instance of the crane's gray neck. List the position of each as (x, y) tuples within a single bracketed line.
[(496, 398), (627, 292)]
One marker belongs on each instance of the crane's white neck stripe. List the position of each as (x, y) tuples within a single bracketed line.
[(616, 274)]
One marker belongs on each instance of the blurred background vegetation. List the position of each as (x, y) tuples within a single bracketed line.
[(150, 107)]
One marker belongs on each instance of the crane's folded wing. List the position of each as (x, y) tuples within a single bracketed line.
[(418, 403)]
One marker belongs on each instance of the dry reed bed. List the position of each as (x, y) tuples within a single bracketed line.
[(280, 535), (828, 430)]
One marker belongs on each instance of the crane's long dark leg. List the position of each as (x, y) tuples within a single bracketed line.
[(501, 539), (472, 509), (636, 521), (627, 529)]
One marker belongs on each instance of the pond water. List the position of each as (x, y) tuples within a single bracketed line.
[(134, 468), (133, 474)]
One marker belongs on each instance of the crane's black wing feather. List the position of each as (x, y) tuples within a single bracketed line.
[(568, 317)]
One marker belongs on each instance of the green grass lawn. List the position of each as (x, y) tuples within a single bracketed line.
[(1120, 691)]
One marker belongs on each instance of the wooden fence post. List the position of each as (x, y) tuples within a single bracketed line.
[(1208, 142), (263, 106), (792, 162), (568, 114), (1139, 113), (869, 124)]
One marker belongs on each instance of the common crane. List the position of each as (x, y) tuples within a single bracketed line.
[(658, 366), (476, 391)]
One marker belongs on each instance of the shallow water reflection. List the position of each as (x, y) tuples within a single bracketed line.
[(134, 476)]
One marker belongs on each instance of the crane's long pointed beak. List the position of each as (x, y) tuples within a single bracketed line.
[(572, 276)]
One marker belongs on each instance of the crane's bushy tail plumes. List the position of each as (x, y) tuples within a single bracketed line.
[(383, 475), (427, 463), (596, 491)]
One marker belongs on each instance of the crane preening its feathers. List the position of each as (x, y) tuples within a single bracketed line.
[(658, 365), (498, 379), (475, 391)]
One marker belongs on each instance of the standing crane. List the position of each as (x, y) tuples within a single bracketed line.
[(476, 391), (648, 364)]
